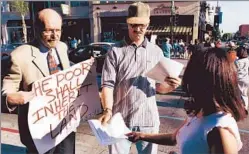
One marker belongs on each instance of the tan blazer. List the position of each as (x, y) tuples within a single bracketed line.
[(28, 66)]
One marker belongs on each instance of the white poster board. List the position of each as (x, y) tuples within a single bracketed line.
[(153, 39), (62, 101)]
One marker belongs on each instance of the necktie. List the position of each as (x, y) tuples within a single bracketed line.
[(52, 65)]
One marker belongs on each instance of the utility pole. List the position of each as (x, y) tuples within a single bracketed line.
[(172, 20)]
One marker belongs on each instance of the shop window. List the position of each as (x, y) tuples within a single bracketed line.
[(15, 34), (78, 3), (12, 8)]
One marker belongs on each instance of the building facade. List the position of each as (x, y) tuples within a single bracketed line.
[(109, 20), (244, 30), (11, 25), (94, 21)]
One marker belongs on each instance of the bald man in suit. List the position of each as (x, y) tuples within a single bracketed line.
[(30, 63)]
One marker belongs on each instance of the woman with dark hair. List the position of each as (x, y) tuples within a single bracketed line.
[(214, 106), (242, 65)]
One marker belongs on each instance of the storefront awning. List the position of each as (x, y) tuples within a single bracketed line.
[(177, 29)]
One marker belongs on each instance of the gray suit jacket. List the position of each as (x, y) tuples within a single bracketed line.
[(28, 66)]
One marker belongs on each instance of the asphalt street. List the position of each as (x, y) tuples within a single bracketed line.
[(171, 116)]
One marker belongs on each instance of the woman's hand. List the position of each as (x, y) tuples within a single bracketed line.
[(134, 136), (173, 81)]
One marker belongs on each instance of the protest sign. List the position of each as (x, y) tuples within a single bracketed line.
[(62, 101)]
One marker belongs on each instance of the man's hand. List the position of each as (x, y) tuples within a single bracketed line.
[(106, 116), (19, 98)]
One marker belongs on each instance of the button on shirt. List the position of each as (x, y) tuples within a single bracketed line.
[(134, 94)]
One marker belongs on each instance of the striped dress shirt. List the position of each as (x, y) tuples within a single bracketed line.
[(134, 93)]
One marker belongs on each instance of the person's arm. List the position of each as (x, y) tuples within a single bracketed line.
[(108, 83), (162, 139), (172, 84), (11, 85), (107, 103), (221, 140)]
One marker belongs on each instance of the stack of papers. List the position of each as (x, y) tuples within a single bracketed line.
[(111, 133), (165, 68)]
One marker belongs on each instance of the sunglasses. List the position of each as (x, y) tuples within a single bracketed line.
[(141, 26), (50, 31)]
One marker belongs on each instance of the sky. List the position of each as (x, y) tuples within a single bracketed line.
[(235, 13)]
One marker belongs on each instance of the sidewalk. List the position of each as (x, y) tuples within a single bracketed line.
[(86, 143)]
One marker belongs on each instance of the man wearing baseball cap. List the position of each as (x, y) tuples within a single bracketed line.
[(126, 89)]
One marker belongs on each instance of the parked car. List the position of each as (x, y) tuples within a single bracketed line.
[(97, 50), (6, 49)]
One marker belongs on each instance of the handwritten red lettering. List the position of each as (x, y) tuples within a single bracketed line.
[(48, 109), (59, 92), (69, 75), (38, 116), (38, 89), (45, 83), (85, 66), (64, 101), (75, 71), (65, 89), (59, 78), (49, 93), (72, 112), (57, 105), (71, 96)]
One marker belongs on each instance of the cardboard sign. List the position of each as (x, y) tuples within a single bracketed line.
[(62, 101)]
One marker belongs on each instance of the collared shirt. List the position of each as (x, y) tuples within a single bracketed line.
[(44, 51), (134, 93)]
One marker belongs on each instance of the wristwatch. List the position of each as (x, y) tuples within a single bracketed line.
[(107, 110)]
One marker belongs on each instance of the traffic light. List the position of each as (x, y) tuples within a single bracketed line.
[(216, 21), (220, 17)]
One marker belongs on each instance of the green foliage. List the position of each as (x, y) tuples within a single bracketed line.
[(236, 35), (227, 36), (20, 6), (216, 33)]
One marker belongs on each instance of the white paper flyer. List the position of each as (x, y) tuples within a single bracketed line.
[(165, 68), (110, 133)]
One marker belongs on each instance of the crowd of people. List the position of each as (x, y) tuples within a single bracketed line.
[(180, 49), (216, 87)]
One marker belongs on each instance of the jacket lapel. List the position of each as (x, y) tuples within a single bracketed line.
[(39, 61)]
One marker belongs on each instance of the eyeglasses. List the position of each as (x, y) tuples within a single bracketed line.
[(50, 31), (141, 26)]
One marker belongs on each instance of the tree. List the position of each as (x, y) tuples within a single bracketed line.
[(216, 33), (22, 8), (236, 35)]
